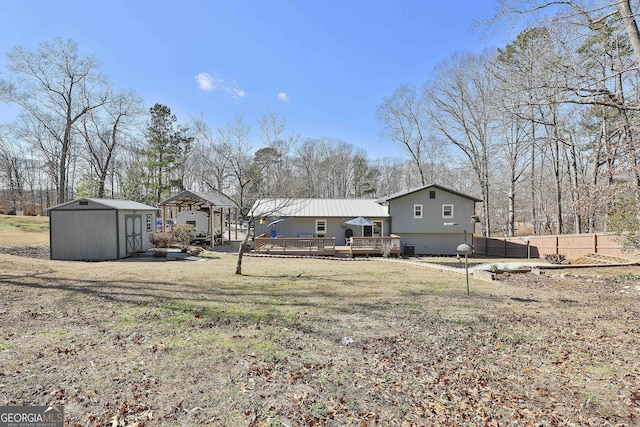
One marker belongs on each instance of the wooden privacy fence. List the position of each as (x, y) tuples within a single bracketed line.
[(570, 245)]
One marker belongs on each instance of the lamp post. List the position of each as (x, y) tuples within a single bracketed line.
[(466, 250)]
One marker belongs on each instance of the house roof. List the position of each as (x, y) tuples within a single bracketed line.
[(110, 203), (197, 198), (415, 190), (319, 208)]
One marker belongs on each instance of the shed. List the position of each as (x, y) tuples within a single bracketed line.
[(100, 229)]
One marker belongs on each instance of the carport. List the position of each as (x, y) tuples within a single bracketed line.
[(217, 205)]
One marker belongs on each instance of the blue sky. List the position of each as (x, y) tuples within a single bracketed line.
[(323, 65)]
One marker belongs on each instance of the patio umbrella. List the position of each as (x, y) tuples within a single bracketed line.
[(277, 221), (360, 221)]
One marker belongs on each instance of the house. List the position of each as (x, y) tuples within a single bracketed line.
[(100, 229), (320, 218), (431, 219)]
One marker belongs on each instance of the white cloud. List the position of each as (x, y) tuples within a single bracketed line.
[(205, 81), (210, 83), (282, 96)]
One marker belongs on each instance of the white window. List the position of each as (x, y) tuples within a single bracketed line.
[(321, 226), (447, 211), (417, 211)]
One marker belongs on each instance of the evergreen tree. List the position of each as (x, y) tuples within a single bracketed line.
[(166, 153)]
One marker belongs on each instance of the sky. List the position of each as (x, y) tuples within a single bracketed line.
[(324, 66)]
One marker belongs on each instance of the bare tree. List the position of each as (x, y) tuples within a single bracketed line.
[(211, 169), (403, 117), (460, 112), (305, 164), (106, 129), (55, 87), (277, 144), (233, 145)]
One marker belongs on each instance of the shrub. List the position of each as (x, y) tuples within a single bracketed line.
[(184, 234), (386, 250), (555, 258), (161, 240)]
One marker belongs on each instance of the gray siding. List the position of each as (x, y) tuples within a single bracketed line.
[(77, 235), (434, 244), (401, 210), (95, 229), (336, 227)]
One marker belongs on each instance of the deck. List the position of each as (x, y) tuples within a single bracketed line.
[(326, 246)]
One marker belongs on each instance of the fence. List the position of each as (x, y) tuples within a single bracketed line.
[(570, 245)]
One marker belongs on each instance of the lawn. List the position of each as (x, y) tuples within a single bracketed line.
[(24, 230), (297, 342)]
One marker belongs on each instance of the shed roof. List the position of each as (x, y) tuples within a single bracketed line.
[(414, 190), (319, 208), (109, 203), (197, 198)]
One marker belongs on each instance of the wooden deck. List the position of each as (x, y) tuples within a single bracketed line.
[(326, 246)]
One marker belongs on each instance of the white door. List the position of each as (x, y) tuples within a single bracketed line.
[(133, 231)]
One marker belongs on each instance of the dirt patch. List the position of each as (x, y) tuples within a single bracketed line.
[(39, 252), (306, 342)]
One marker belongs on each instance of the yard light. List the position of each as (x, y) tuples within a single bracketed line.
[(466, 250)]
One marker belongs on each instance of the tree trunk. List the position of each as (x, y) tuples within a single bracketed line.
[(511, 221), (244, 246), (632, 28)]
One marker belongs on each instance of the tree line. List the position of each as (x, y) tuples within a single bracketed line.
[(543, 129), (547, 125)]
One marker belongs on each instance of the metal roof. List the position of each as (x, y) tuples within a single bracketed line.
[(319, 208), (197, 198), (110, 203), (414, 190)]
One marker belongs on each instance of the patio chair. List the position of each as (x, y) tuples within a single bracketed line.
[(348, 234)]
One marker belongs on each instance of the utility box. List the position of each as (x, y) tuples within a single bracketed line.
[(408, 249)]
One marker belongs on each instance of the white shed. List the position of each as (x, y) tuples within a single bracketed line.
[(100, 229)]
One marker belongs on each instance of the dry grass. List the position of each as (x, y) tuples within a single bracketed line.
[(24, 231), (316, 342)]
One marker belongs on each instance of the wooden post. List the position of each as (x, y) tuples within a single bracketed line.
[(237, 221), (229, 231), (212, 232), (557, 244), (595, 243), (221, 226)]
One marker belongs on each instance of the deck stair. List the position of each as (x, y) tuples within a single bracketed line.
[(343, 251)]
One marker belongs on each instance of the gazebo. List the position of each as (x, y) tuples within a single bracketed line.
[(215, 203)]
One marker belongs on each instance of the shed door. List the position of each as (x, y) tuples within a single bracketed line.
[(133, 231)]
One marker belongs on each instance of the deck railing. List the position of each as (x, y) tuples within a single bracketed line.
[(295, 245), (327, 246), (375, 245)]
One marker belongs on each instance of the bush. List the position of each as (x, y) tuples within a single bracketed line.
[(184, 234), (161, 240), (386, 250), (555, 258)]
